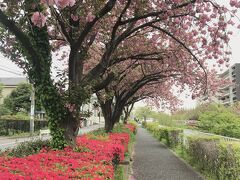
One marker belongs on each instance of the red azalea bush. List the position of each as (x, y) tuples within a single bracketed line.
[(120, 138), (105, 148), (91, 159), (131, 127)]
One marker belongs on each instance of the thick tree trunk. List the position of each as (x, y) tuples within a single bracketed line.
[(110, 121), (126, 116), (71, 128), (111, 114), (108, 125), (107, 114)]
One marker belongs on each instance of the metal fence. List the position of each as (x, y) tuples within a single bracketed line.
[(9, 127), (187, 132), (195, 132)]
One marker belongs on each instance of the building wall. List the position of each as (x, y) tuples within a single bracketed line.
[(94, 118), (231, 93), (6, 91), (237, 83)]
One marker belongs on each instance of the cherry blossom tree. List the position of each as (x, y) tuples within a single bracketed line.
[(32, 30), (152, 80)]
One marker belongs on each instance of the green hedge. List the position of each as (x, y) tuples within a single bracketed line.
[(229, 161), (28, 148), (214, 157), (219, 159), (169, 135), (203, 152)]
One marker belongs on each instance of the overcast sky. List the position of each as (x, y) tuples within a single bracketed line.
[(9, 69)]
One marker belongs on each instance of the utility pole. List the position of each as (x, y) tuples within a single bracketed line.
[(32, 112)]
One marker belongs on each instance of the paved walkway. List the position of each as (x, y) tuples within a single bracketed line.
[(153, 161)]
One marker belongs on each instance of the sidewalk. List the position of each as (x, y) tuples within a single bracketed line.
[(153, 161), (8, 142)]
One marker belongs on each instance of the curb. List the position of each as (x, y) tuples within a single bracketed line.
[(130, 169)]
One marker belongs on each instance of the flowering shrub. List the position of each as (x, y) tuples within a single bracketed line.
[(93, 158), (120, 138), (131, 127)]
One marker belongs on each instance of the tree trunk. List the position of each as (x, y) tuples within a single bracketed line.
[(37, 51), (127, 111), (109, 124), (125, 118), (71, 128), (107, 114), (113, 115)]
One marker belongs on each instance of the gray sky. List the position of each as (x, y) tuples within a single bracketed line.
[(9, 69)]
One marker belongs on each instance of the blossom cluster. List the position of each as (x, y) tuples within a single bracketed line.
[(131, 127), (59, 3), (39, 19), (90, 159)]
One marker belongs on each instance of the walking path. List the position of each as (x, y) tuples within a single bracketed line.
[(153, 161)]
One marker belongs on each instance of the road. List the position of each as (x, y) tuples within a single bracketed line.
[(6, 142)]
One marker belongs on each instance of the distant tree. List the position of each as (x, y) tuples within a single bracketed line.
[(143, 112), (19, 99)]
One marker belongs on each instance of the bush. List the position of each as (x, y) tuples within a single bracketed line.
[(203, 151), (223, 122), (96, 156), (220, 160), (153, 128), (28, 148), (120, 128), (132, 122), (229, 161), (169, 135), (18, 116), (4, 110)]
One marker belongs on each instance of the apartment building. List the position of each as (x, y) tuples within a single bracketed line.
[(230, 93)]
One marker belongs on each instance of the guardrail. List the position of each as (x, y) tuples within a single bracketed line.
[(225, 138), (196, 132)]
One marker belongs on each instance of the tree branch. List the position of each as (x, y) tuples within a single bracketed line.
[(89, 25), (22, 38), (62, 26), (185, 47)]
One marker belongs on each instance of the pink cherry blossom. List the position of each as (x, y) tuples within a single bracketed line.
[(75, 18), (38, 19), (233, 3), (48, 2), (90, 17), (64, 3)]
